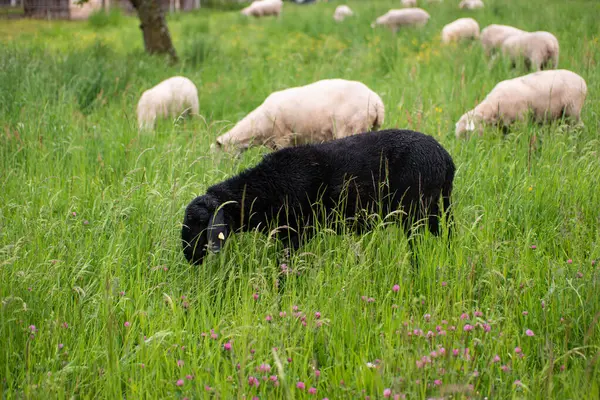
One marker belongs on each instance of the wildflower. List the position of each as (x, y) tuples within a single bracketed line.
[(180, 382), (252, 381), (518, 383), (121, 293), (529, 332), (142, 365), (255, 296), (300, 385), (487, 327), (427, 317), (289, 360), (207, 388), (74, 214), (580, 274), (227, 346), (533, 247), (478, 314), (264, 368), (505, 368), (273, 378), (444, 284), (452, 328), (312, 390), (371, 365), (214, 336), (563, 367), (455, 352), (543, 304), (517, 350), (65, 325), (268, 318), (127, 324), (468, 328), (496, 358), (464, 316), (569, 261), (282, 314), (317, 373), (430, 334), (525, 313), (396, 288), (284, 268), (189, 377), (86, 222), (60, 346), (387, 393), (180, 363), (442, 351), (437, 382), (317, 315), (32, 328), (475, 373)]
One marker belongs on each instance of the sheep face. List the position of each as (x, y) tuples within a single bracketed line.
[(469, 123), (204, 229)]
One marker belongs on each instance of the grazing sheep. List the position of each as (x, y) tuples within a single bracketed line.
[(170, 98), (470, 4), (336, 182), (404, 17), (263, 8), (409, 3), (536, 49), (548, 95), (321, 111), (341, 12), (462, 28), (494, 35)]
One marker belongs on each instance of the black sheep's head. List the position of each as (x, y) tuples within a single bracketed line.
[(204, 228)]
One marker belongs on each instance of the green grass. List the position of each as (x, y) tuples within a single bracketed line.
[(90, 216)]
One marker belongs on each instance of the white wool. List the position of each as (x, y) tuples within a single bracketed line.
[(494, 35), (404, 17), (536, 48), (409, 3), (170, 98), (547, 95), (263, 8), (318, 112), (462, 28), (471, 4), (341, 12)]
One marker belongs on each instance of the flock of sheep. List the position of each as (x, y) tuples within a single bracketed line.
[(330, 113)]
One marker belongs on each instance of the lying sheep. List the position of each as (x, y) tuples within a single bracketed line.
[(404, 17), (292, 190), (548, 95), (321, 111), (170, 98), (341, 12), (494, 35), (409, 3), (263, 8), (470, 4), (462, 28), (537, 49)]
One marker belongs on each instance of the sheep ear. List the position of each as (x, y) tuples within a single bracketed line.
[(216, 231), (471, 126)]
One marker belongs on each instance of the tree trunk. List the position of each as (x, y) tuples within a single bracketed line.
[(153, 24)]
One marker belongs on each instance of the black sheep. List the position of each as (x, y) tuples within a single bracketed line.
[(295, 187)]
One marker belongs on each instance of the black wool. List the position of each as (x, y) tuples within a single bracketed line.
[(373, 172)]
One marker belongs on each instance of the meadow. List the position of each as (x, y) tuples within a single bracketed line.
[(97, 300)]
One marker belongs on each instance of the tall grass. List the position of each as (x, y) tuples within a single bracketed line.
[(98, 301)]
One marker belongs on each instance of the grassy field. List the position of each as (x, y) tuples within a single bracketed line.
[(98, 301)]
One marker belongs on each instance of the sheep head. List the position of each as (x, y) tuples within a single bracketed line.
[(204, 228), (467, 124)]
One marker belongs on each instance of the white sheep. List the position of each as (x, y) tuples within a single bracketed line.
[(547, 95), (462, 28), (263, 8), (321, 111), (470, 4), (404, 17), (170, 98), (494, 35), (341, 12), (537, 49), (408, 3)]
